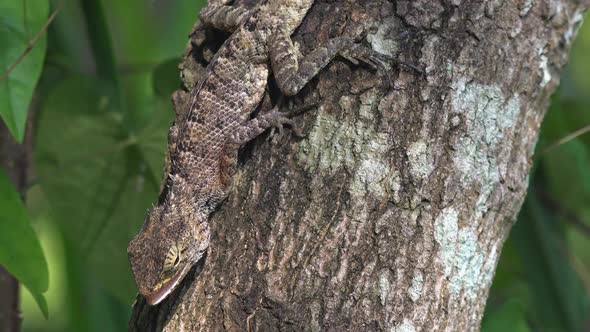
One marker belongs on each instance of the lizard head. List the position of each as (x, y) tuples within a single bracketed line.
[(171, 241)]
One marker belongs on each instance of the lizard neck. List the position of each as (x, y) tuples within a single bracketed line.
[(178, 191), (201, 198)]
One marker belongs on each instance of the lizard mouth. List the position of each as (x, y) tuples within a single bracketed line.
[(160, 294)]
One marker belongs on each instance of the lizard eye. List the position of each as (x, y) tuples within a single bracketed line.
[(172, 258)]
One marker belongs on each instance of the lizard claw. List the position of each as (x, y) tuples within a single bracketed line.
[(378, 61), (356, 52), (281, 120)]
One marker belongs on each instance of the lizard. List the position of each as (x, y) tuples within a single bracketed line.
[(203, 143)]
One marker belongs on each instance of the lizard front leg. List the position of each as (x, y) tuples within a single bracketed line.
[(292, 74), (254, 127)]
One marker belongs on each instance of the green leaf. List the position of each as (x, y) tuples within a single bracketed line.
[(567, 174), (509, 317), (577, 239), (99, 176), (166, 78), (16, 32), (560, 302), (565, 167), (510, 295), (509, 280), (20, 250)]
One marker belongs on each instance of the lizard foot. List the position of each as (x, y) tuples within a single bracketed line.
[(285, 118), (280, 119), (356, 52)]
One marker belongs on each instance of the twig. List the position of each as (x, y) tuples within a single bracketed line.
[(566, 139), (34, 41), (568, 215)]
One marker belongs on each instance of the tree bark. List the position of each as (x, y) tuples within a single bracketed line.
[(9, 312), (15, 160), (391, 213)]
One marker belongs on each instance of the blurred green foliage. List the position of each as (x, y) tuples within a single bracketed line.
[(17, 28), (20, 250), (100, 136)]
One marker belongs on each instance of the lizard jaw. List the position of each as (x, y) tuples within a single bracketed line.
[(162, 292)]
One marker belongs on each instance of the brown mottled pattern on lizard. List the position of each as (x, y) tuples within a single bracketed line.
[(204, 142)]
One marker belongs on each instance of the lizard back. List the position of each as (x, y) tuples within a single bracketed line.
[(230, 92)]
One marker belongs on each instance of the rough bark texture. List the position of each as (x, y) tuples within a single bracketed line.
[(9, 313), (391, 213)]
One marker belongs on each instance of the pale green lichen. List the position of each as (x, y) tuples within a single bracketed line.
[(574, 26), (445, 234), (544, 67), (489, 116), (488, 113), (525, 8), (375, 177), (405, 326), (354, 145), (461, 256), (384, 287), (421, 160), (315, 309), (381, 41), (468, 263), (415, 289)]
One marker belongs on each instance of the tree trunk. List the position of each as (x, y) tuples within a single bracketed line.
[(15, 160), (9, 312), (391, 213)]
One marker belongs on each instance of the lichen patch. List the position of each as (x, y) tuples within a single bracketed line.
[(415, 289), (461, 256), (468, 263), (350, 144), (490, 118), (574, 26), (525, 7), (375, 177), (421, 160), (381, 41), (544, 67), (405, 326), (384, 287), (445, 234)]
